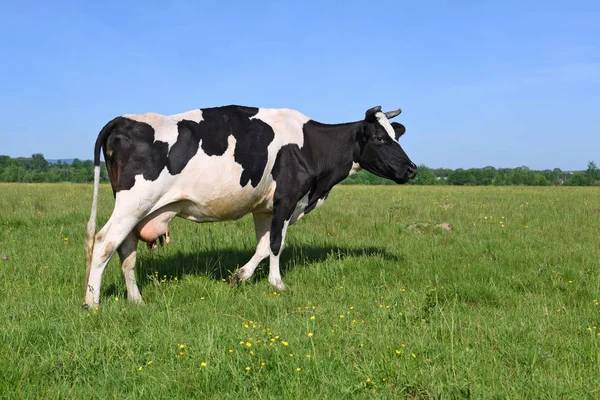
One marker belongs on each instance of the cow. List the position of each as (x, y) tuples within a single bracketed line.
[(220, 164)]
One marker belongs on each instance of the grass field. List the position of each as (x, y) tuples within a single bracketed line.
[(384, 300)]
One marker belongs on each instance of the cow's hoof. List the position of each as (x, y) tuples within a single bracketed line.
[(235, 280), (277, 284)]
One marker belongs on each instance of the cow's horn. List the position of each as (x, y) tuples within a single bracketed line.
[(392, 114), (370, 114)]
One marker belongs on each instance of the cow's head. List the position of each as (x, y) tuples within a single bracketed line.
[(377, 149)]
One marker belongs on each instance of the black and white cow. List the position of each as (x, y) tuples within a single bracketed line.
[(219, 164)]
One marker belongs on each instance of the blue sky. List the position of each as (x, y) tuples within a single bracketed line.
[(503, 83)]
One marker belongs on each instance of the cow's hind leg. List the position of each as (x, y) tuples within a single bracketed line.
[(262, 225), (127, 253), (110, 237)]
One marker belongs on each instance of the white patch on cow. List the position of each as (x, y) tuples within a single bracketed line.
[(383, 121), (355, 168), (286, 123), (165, 126)]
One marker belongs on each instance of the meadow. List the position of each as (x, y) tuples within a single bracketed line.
[(393, 292)]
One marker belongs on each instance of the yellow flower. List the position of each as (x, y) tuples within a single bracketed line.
[(398, 352), (352, 307), (181, 353), (140, 368), (231, 350), (283, 342), (182, 346), (242, 342), (116, 299), (247, 368), (341, 316), (403, 345), (413, 355), (203, 364), (368, 380), (362, 345), (310, 334), (332, 331), (308, 356), (262, 364), (312, 318), (150, 362), (291, 354), (298, 369), (246, 326), (248, 344)]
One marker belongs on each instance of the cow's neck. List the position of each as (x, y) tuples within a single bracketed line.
[(331, 149)]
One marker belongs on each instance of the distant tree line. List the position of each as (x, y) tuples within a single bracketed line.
[(490, 176), (38, 169)]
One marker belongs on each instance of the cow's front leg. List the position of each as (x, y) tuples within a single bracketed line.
[(262, 225), (279, 225)]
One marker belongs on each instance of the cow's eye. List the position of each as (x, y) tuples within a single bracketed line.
[(379, 139)]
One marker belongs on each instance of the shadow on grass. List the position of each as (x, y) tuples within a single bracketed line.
[(219, 264)]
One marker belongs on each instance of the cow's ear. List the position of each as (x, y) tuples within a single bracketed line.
[(399, 129), (370, 114)]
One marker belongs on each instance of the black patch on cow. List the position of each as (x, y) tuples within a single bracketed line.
[(252, 137), (131, 149)]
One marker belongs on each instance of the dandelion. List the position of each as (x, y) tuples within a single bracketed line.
[(203, 364), (368, 380), (182, 346), (352, 307), (251, 352), (298, 369), (291, 354), (140, 368), (387, 307), (403, 345), (242, 342), (181, 353), (231, 350), (398, 351), (299, 308), (341, 316), (116, 299), (310, 334), (247, 368), (383, 379), (332, 331), (246, 326), (362, 345), (248, 344), (312, 318), (262, 364), (308, 356), (149, 362), (413, 355), (283, 342), (201, 298)]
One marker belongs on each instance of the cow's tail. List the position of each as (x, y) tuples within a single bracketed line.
[(90, 232)]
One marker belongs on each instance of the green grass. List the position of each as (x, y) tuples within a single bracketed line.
[(498, 307)]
